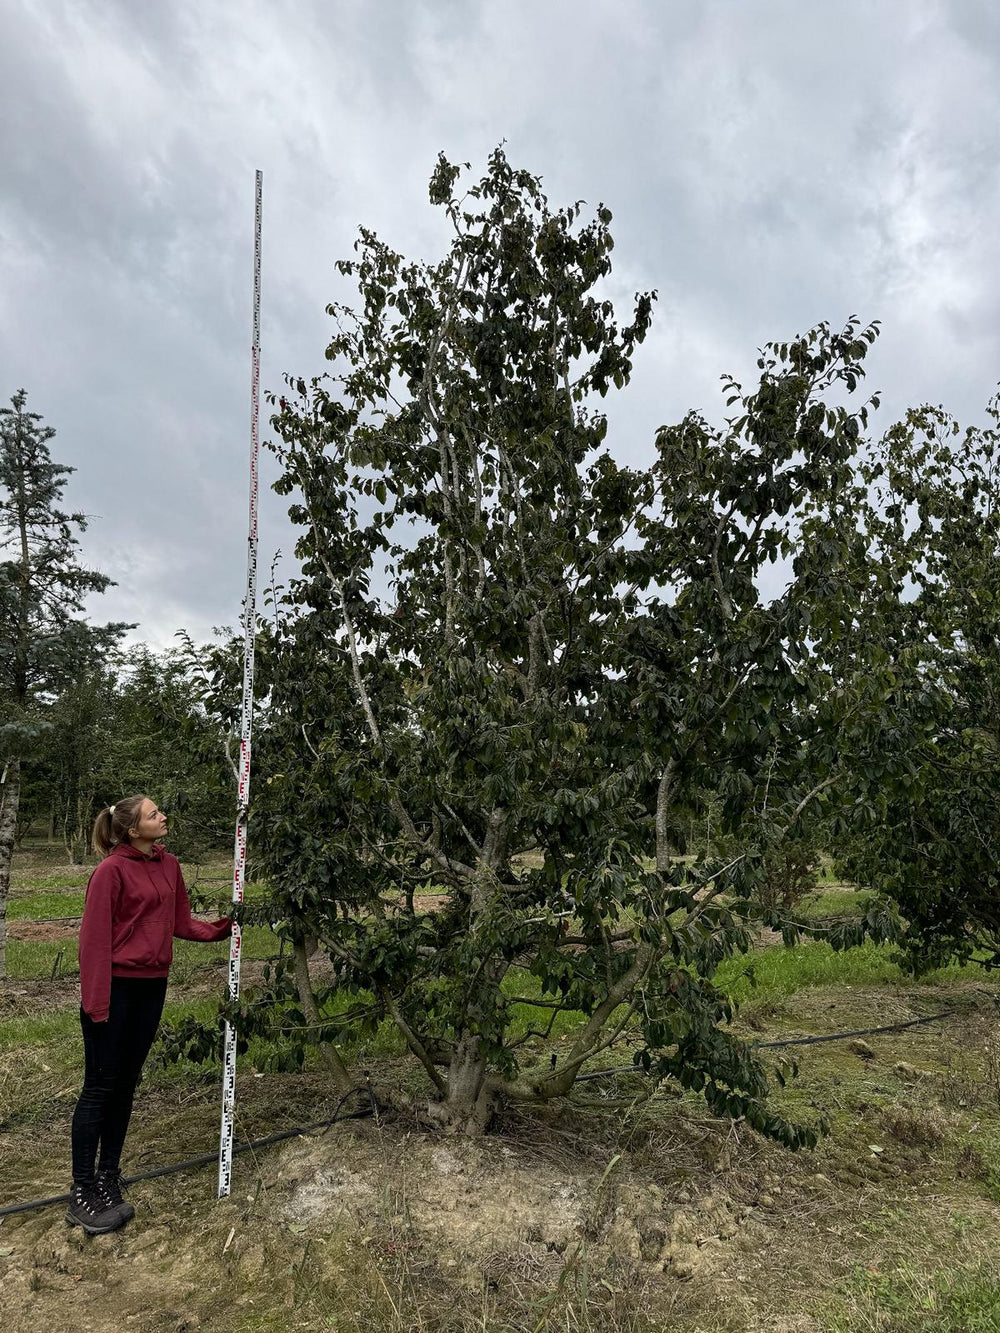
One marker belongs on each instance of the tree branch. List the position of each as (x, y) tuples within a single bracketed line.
[(664, 852), (329, 1055), (413, 1041), (724, 599)]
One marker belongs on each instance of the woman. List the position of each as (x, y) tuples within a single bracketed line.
[(136, 903)]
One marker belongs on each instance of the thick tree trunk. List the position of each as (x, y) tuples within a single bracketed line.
[(471, 1099), (10, 798)]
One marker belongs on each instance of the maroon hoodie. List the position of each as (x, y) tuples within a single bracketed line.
[(134, 907)]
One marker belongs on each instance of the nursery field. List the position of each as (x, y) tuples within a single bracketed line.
[(601, 1212)]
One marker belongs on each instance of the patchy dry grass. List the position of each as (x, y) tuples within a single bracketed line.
[(575, 1217)]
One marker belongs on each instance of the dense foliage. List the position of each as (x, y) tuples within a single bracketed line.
[(512, 671), (925, 824), (45, 641)]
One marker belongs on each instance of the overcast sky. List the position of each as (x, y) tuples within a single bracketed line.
[(770, 163)]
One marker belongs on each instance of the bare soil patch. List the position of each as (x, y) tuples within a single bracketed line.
[(24, 928), (27, 996), (369, 1202), (669, 1219)]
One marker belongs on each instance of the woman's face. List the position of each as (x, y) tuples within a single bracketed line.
[(150, 824)]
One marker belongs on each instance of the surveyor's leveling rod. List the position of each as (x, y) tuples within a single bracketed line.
[(243, 775)]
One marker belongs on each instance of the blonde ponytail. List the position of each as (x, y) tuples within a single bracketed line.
[(112, 825)]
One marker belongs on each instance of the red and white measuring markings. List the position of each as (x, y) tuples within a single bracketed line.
[(243, 787)]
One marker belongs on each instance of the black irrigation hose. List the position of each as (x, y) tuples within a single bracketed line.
[(207, 1157), (279, 1137), (860, 1032), (791, 1041)]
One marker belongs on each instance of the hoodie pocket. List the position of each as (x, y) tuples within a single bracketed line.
[(120, 940), (145, 948), (139, 946)]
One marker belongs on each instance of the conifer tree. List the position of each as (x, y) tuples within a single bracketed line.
[(44, 640)]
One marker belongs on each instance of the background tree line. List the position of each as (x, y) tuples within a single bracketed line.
[(82, 721), (131, 723)]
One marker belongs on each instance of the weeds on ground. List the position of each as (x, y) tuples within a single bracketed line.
[(909, 1300), (915, 1127)]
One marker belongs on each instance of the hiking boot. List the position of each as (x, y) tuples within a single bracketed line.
[(109, 1187), (88, 1209)]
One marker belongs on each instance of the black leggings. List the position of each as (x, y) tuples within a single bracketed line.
[(114, 1053)]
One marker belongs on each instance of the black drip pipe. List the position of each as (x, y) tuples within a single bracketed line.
[(193, 1162)]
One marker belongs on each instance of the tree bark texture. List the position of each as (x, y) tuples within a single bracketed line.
[(329, 1056), (10, 797), (471, 1098)]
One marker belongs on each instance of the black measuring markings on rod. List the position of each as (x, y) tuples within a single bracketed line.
[(228, 1113)]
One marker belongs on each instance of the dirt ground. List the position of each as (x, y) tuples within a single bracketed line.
[(660, 1217), (458, 1214), (601, 1213), (497, 1218), (25, 929)]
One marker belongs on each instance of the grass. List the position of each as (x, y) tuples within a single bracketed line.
[(35, 959), (39, 1029), (68, 877), (907, 1299), (826, 874), (848, 1239), (45, 902), (29, 960), (837, 902), (525, 1017), (780, 971)]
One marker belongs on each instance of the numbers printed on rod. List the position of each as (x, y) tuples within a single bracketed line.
[(243, 784)]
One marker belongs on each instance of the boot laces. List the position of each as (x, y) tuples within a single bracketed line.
[(88, 1198), (109, 1187)]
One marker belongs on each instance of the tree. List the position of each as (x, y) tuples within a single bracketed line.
[(44, 641), (79, 737), (511, 668), (923, 826), (129, 725)]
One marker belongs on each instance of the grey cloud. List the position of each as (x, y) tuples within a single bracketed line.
[(769, 165)]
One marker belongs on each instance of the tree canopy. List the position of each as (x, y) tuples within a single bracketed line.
[(45, 640), (924, 824), (512, 668)]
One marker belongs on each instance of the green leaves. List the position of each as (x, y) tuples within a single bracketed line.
[(44, 640), (513, 673), (924, 826)]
